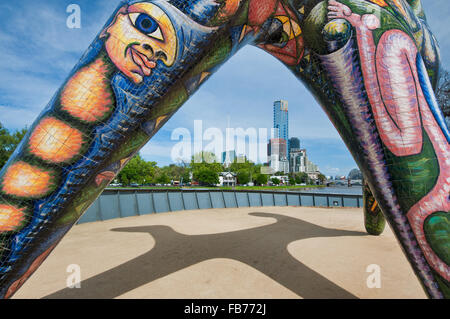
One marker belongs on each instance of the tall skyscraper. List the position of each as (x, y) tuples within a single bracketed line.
[(279, 144), (228, 157), (281, 120)]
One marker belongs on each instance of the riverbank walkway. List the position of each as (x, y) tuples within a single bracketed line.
[(256, 252)]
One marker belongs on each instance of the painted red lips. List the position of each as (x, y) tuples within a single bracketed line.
[(142, 61)]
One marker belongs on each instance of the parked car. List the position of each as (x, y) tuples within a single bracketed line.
[(134, 185)]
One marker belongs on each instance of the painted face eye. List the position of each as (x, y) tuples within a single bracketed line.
[(146, 24)]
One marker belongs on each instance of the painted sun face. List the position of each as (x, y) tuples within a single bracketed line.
[(140, 35)]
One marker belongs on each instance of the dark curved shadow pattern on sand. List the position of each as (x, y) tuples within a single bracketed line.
[(263, 248)]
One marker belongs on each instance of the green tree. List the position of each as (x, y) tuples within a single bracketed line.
[(206, 168), (175, 172), (261, 179), (322, 178), (9, 142), (243, 176), (245, 165), (275, 181), (162, 178), (291, 180), (206, 176), (301, 178), (205, 160), (257, 168), (137, 171), (185, 177)]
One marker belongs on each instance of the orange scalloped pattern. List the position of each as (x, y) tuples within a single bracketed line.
[(25, 180), (11, 218), (55, 141)]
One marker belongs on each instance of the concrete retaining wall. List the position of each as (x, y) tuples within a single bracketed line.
[(118, 203)]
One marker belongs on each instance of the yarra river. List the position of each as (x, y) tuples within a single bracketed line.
[(342, 190)]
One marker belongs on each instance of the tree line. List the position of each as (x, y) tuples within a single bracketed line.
[(204, 169)]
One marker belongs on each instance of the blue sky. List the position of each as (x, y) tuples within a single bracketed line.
[(37, 51)]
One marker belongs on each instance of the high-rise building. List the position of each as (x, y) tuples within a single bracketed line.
[(277, 154), (299, 163), (294, 143), (297, 158), (277, 146), (281, 120), (228, 157), (293, 154)]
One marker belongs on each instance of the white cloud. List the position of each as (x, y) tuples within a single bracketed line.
[(16, 118)]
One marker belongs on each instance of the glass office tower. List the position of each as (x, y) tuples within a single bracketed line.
[(281, 120)]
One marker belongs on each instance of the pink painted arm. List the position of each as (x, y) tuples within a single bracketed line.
[(396, 112)]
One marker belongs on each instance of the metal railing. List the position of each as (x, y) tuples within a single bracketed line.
[(118, 203)]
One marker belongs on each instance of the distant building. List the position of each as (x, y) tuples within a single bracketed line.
[(284, 179), (311, 167), (299, 163), (228, 157), (227, 179), (241, 159), (279, 165), (294, 143), (277, 146), (355, 174), (281, 120), (297, 158), (277, 154)]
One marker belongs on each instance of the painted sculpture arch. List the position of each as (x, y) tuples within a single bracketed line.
[(371, 64)]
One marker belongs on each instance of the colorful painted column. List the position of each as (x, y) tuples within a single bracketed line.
[(370, 64)]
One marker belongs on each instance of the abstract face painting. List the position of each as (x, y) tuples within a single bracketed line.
[(139, 36)]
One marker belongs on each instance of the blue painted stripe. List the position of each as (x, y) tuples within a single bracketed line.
[(430, 97)]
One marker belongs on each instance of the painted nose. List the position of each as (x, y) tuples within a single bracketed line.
[(164, 51), (147, 47)]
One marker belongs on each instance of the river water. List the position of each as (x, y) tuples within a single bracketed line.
[(341, 190)]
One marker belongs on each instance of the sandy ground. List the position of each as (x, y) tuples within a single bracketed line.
[(270, 252)]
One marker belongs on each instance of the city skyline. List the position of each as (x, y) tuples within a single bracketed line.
[(237, 145), (34, 64), (282, 156)]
